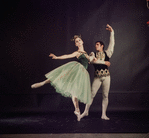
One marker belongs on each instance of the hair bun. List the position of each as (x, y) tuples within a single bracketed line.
[(76, 36)]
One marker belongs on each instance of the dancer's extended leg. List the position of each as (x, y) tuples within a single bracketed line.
[(39, 84)]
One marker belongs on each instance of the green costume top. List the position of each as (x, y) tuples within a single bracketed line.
[(83, 60)]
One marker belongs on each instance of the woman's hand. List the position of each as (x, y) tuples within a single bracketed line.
[(53, 56)]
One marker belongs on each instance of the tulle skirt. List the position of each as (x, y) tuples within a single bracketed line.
[(71, 79)]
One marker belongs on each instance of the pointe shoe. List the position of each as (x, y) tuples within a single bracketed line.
[(36, 85), (33, 86), (79, 117), (77, 113)]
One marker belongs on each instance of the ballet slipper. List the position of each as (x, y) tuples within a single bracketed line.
[(105, 117)]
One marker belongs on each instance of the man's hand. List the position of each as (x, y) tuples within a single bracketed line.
[(109, 28), (95, 59), (107, 63)]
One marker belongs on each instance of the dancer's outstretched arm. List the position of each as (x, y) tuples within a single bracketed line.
[(74, 54), (36, 85)]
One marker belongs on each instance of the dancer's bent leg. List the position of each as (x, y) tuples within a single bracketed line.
[(39, 84), (105, 100), (76, 105), (95, 86)]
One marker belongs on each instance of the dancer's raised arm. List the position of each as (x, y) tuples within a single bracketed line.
[(110, 49)]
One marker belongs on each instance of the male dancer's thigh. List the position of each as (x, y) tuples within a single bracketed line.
[(95, 86), (106, 86)]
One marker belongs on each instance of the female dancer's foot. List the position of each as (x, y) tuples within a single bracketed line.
[(77, 113), (36, 85), (105, 117), (79, 117), (83, 115)]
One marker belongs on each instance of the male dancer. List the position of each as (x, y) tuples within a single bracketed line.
[(102, 75)]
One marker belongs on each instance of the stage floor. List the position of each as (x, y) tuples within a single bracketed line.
[(60, 123), (88, 135)]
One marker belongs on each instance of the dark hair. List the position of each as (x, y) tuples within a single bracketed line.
[(100, 43)]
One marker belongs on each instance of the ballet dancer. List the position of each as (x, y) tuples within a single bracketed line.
[(102, 74), (71, 79)]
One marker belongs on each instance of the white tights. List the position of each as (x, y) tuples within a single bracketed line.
[(97, 82)]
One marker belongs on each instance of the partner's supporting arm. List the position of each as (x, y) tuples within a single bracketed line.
[(94, 60)]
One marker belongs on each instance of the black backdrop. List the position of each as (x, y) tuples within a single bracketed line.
[(31, 30)]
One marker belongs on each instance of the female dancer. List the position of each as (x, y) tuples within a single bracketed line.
[(71, 79)]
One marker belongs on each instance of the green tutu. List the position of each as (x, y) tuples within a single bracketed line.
[(71, 79)]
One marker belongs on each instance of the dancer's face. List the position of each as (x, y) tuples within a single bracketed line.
[(99, 47), (78, 42)]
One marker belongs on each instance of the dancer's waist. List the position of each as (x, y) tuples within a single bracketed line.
[(102, 73)]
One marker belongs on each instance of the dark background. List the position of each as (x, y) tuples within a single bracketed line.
[(30, 30)]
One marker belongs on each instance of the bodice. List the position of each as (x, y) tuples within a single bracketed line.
[(83, 60)]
